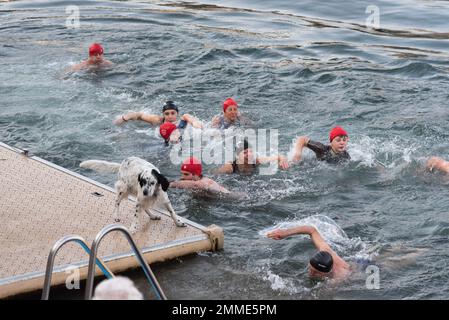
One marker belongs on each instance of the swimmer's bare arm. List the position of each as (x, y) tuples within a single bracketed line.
[(225, 169), (301, 142), (107, 63), (77, 67), (203, 184), (437, 163), (152, 119), (280, 159), (192, 120), (186, 184), (316, 237), (318, 241)]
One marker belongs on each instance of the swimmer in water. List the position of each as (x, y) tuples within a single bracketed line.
[(95, 60), (324, 263), (246, 163), (333, 153), (169, 114), (438, 164), (231, 116), (192, 178)]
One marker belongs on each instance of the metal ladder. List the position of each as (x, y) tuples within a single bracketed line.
[(93, 261)]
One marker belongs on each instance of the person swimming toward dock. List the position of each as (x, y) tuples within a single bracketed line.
[(231, 116), (324, 263), (246, 162), (438, 164), (95, 60), (192, 178), (333, 153)]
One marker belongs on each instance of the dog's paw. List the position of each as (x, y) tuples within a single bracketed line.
[(180, 224), (155, 218)]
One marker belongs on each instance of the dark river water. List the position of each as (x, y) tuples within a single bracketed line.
[(300, 67)]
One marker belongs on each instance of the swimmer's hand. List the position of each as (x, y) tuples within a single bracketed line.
[(119, 120), (283, 163), (278, 234)]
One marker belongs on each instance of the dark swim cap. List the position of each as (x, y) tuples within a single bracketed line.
[(169, 105), (322, 261)]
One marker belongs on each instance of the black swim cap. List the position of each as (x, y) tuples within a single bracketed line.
[(169, 105), (322, 261)]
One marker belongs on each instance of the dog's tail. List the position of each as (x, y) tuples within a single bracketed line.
[(101, 166)]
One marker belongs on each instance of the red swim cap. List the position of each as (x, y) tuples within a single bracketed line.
[(229, 102), (336, 132), (95, 49), (192, 165), (166, 130)]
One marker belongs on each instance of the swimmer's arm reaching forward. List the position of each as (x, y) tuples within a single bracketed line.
[(150, 118), (300, 144), (316, 237), (192, 120), (280, 159), (204, 184), (438, 164)]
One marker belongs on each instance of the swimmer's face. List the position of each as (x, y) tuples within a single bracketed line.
[(231, 113), (185, 175), (246, 157), (170, 115), (314, 273), (339, 144), (96, 58)]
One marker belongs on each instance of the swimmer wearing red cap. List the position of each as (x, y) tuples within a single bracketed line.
[(95, 59), (246, 162), (335, 152), (231, 116), (169, 115), (438, 164), (192, 178)]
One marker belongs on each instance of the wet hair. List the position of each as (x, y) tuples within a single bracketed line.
[(169, 105), (322, 261)]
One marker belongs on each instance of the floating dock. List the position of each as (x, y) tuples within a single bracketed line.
[(41, 202)]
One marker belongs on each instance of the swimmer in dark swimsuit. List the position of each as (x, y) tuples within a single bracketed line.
[(169, 114), (438, 164), (246, 164), (231, 116), (333, 153), (325, 263)]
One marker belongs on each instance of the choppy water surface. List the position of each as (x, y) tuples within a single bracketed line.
[(300, 67)]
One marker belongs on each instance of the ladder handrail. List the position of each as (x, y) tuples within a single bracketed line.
[(93, 255), (51, 259)]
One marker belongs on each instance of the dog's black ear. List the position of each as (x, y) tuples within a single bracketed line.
[(139, 179), (161, 179)]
